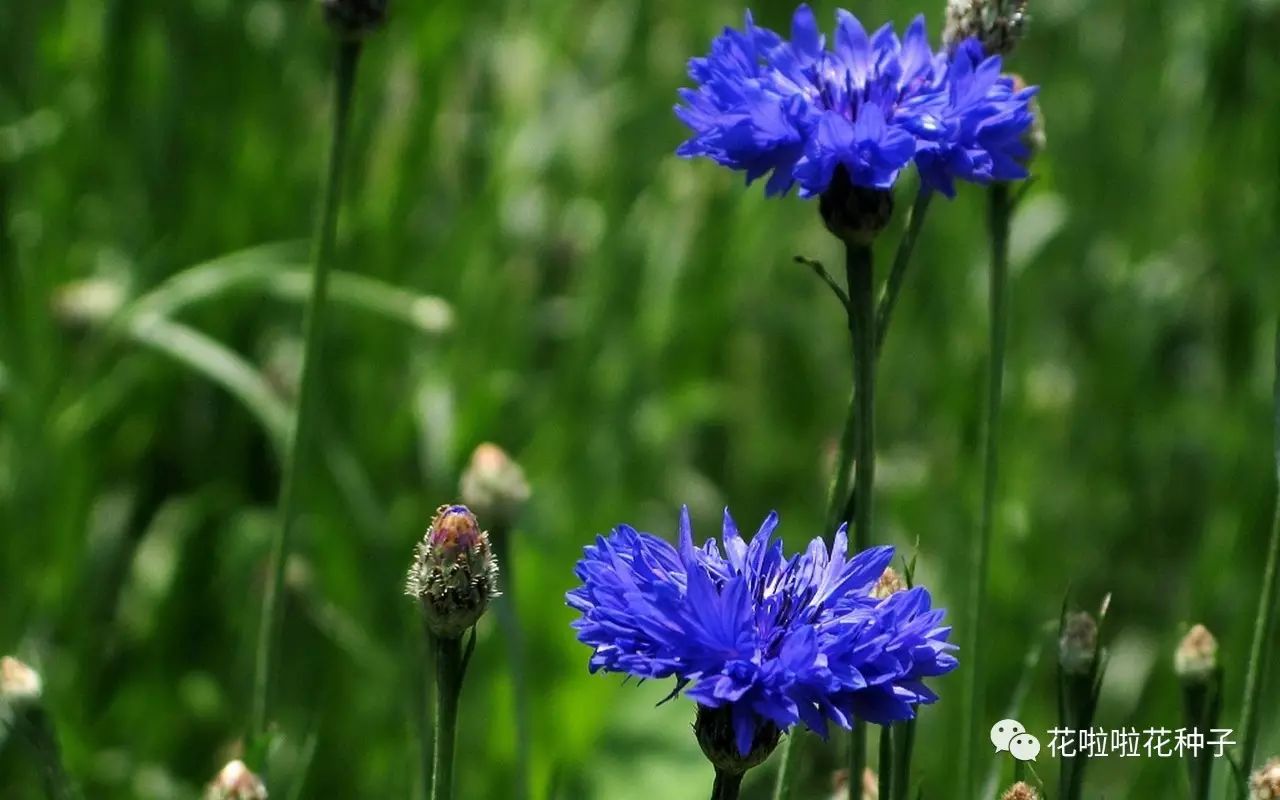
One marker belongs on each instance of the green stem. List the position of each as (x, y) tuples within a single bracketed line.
[(887, 757), (906, 246), (1265, 621), (998, 216), (727, 785), (509, 623), (40, 734), (449, 668), (862, 318), (271, 621), (902, 750)]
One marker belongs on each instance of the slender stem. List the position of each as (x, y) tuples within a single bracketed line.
[(727, 785), (906, 246), (887, 757), (449, 668), (998, 216), (513, 634), (40, 734), (271, 621), (902, 750), (1265, 621), (862, 322)]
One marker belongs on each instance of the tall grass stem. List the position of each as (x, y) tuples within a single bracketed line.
[(1264, 628), (999, 212), (271, 621)]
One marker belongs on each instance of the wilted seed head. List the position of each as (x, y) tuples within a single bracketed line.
[(1196, 658), (494, 485), (997, 24), (889, 583), (1020, 791), (1265, 783), (352, 19), (454, 573), (714, 729), (1078, 645), (236, 782), (18, 682)]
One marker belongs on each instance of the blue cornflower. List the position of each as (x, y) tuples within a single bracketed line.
[(774, 640), (859, 111)]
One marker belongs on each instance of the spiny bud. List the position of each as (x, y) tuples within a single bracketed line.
[(854, 214), (454, 573), (1020, 791), (236, 782), (352, 19), (1265, 783), (18, 682), (494, 485), (718, 740), (998, 25), (1078, 645), (889, 583), (1196, 658)]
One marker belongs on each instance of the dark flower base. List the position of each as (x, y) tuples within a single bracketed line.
[(354, 18), (855, 214), (714, 727)]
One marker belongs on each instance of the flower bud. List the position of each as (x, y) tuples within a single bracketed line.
[(716, 737), (889, 583), (998, 25), (352, 19), (454, 574), (840, 784), (1196, 659), (1078, 644), (18, 682), (494, 485), (1265, 783), (854, 214), (1020, 791), (236, 782)]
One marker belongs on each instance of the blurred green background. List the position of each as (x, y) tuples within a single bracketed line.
[(632, 327)]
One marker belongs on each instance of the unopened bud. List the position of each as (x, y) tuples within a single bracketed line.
[(1020, 791), (1078, 645), (1265, 783), (1196, 659), (998, 25), (889, 583), (18, 682), (236, 782), (352, 19), (454, 574), (494, 486)]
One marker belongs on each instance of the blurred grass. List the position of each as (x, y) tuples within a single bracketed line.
[(633, 328)]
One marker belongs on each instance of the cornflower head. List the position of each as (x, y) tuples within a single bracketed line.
[(854, 114), (761, 641)]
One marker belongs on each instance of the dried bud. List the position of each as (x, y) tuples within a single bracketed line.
[(352, 19), (1265, 783), (1078, 645), (998, 25), (716, 737), (454, 573), (1196, 659), (18, 682), (236, 782), (889, 583), (840, 784), (494, 485), (1020, 791), (854, 214)]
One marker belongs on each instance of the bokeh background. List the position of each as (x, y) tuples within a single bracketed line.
[(632, 327)]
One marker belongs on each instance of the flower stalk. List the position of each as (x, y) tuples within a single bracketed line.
[(901, 258), (999, 213), (1197, 668), (300, 442), (727, 786), (21, 704), (450, 669), (1264, 629)]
